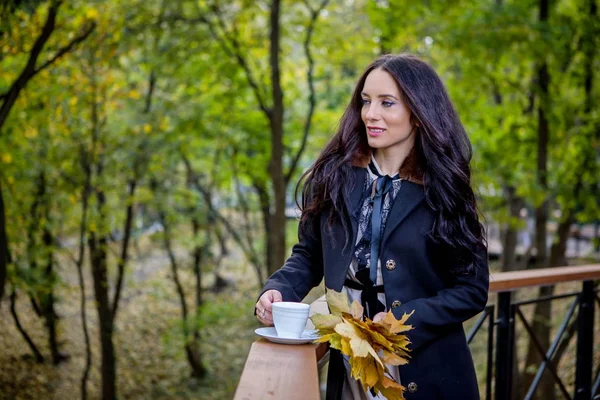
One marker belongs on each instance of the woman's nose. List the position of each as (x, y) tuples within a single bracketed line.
[(372, 113)]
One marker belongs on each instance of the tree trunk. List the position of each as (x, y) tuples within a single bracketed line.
[(194, 355), (192, 350), (541, 212), (265, 208), (543, 311), (197, 256), (510, 237), (48, 298), (4, 251), (13, 311), (191, 345), (98, 244), (85, 164), (98, 260), (129, 215), (276, 241), (32, 243)]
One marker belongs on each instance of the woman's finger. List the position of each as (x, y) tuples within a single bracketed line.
[(270, 297), (265, 317), (276, 296)]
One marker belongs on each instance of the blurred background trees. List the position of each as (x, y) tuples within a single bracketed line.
[(150, 150)]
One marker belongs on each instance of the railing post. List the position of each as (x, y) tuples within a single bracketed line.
[(504, 346), (490, 354), (585, 342)]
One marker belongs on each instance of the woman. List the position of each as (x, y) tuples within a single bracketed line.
[(393, 185)]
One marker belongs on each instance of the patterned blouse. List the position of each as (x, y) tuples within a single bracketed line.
[(361, 259)]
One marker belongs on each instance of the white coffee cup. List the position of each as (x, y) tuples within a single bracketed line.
[(290, 318)]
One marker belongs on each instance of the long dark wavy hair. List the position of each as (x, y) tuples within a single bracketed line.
[(442, 146)]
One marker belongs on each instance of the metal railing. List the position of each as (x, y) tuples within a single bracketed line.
[(510, 311)]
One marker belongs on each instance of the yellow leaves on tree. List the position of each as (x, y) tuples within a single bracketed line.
[(368, 345), (91, 13), (7, 158)]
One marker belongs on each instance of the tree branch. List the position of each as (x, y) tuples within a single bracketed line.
[(248, 251), (30, 70), (311, 87), (123, 257), (246, 223), (67, 48), (230, 45), (236, 51)]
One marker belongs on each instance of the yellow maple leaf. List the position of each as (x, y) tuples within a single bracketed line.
[(334, 340), (357, 310), (380, 340), (393, 358), (338, 302), (397, 325), (371, 375), (346, 348), (390, 389), (362, 348), (325, 322), (356, 370)]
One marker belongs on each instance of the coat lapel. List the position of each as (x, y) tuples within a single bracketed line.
[(407, 199)]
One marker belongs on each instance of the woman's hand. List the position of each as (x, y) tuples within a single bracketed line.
[(265, 304), (379, 316)]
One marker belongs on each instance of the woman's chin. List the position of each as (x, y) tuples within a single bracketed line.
[(374, 141)]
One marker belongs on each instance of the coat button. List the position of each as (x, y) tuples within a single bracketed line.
[(390, 265), (412, 387), (396, 303)]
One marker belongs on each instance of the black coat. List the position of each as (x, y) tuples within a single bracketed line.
[(441, 366)]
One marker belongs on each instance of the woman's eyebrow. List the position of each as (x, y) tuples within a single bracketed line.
[(381, 96)]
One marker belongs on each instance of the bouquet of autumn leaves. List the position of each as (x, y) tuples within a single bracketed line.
[(368, 345)]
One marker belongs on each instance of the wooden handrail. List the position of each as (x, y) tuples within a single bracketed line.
[(278, 371), (508, 281), (275, 371)]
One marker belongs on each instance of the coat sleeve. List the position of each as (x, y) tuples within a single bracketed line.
[(303, 270), (464, 297)]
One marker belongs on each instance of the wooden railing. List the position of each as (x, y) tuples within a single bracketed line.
[(276, 371)]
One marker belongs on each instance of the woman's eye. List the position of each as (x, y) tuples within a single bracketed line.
[(387, 103), (366, 101)]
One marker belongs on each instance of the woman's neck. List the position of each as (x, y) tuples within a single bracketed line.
[(389, 162)]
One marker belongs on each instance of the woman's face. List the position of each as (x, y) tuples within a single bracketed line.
[(386, 117)]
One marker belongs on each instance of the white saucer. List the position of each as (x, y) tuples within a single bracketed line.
[(269, 333)]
